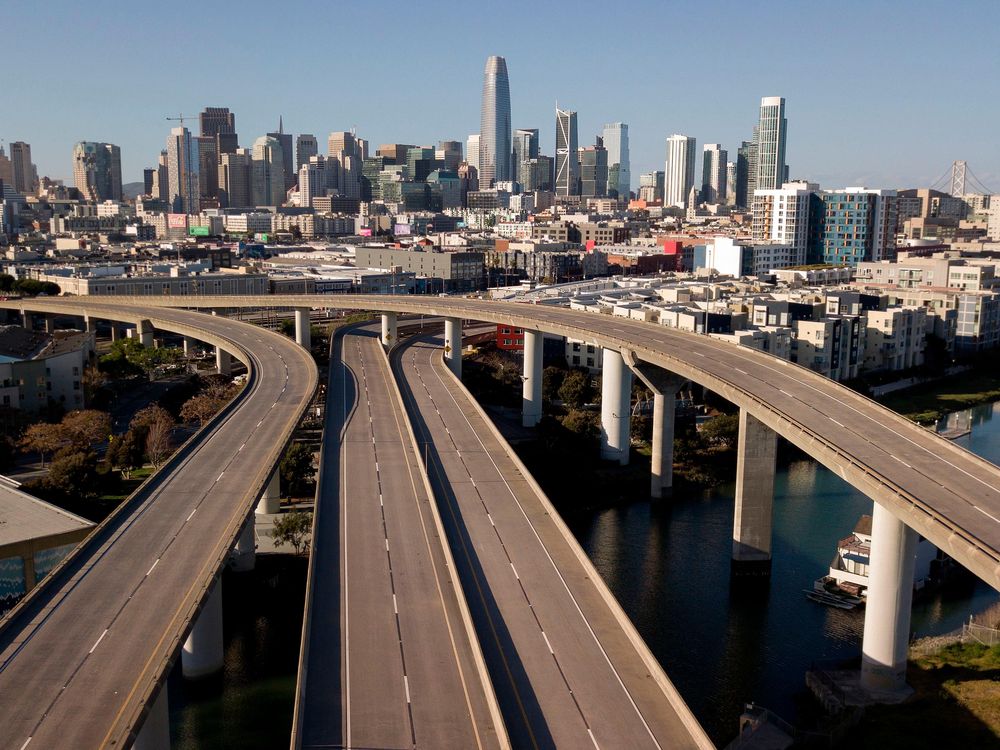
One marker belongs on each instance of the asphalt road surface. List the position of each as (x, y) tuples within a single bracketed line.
[(565, 672), (90, 648), (390, 663)]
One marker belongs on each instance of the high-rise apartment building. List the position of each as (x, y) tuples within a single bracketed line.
[(525, 149), (161, 179), (615, 139), (216, 120), (537, 174), (395, 153), (730, 183), (268, 175), (97, 171), (287, 154), (183, 183), (472, 151), (713, 174), (593, 170), (567, 181), (494, 124), (853, 225), (679, 172), (782, 217), (771, 131), (306, 147), (746, 164), (651, 186), (235, 179), (25, 176)]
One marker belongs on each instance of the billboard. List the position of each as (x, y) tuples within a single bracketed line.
[(260, 237), (401, 229), (366, 232), (198, 231), (177, 221)]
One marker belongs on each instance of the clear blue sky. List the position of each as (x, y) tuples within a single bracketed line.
[(885, 94)]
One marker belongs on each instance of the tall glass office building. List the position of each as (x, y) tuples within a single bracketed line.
[(494, 125), (619, 174), (567, 159)]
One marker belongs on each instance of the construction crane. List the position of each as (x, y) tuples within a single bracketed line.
[(179, 118)]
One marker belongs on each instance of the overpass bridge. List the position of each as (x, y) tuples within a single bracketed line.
[(83, 657), (921, 484)]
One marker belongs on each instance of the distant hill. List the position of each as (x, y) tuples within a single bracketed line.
[(132, 190)]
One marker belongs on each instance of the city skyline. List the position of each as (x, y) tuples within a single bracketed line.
[(894, 141)]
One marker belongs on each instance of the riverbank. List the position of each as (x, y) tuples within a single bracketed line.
[(929, 402)]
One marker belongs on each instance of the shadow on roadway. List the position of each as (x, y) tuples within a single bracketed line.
[(522, 714)]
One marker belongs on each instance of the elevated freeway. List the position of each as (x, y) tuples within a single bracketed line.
[(568, 666), (941, 491), (83, 657), (389, 655)]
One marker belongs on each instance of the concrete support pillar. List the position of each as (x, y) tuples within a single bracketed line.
[(303, 335), (202, 654), (531, 388), (145, 333), (887, 611), (388, 329), (50, 324), (89, 324), (244, 555), (270, 500), (661, 475), (115, 331), (223, 361), (155, 732), (26, 320), (188, 345), (756, 452), (453, 345), (616, 407)]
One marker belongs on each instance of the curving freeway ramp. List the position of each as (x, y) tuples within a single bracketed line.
[(943, 492), (83, 657)]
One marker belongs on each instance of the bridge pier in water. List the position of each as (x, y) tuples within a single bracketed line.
[(616, 407), (244, 555), (270, 499), (303, 334), (223, 361), (388, 329), (664, 385), (885, 644), (531, 388), (752, 520), (453, 345), (155, 732), (202, 654)]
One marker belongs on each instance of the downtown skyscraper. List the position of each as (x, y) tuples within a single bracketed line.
[(619, 174), (714, 177), (97, 171), (494, 125), (567, 159), (771, 131), (183, 169), (679, 171)]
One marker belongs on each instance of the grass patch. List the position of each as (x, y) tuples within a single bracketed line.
[(956, 703), (928, 402)]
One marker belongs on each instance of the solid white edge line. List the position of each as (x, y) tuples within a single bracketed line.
[(25, 743), (157, 562), (192, 513)]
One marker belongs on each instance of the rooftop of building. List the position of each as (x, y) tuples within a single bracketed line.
[(24, 517)]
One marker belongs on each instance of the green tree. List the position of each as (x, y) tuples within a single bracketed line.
[(583, 423), (294, 529), (73, 474), (127, 452), (296, 468), (31, 287), (552, 379), (576, 390), (723, 430), (6, 282), (84, 428)]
